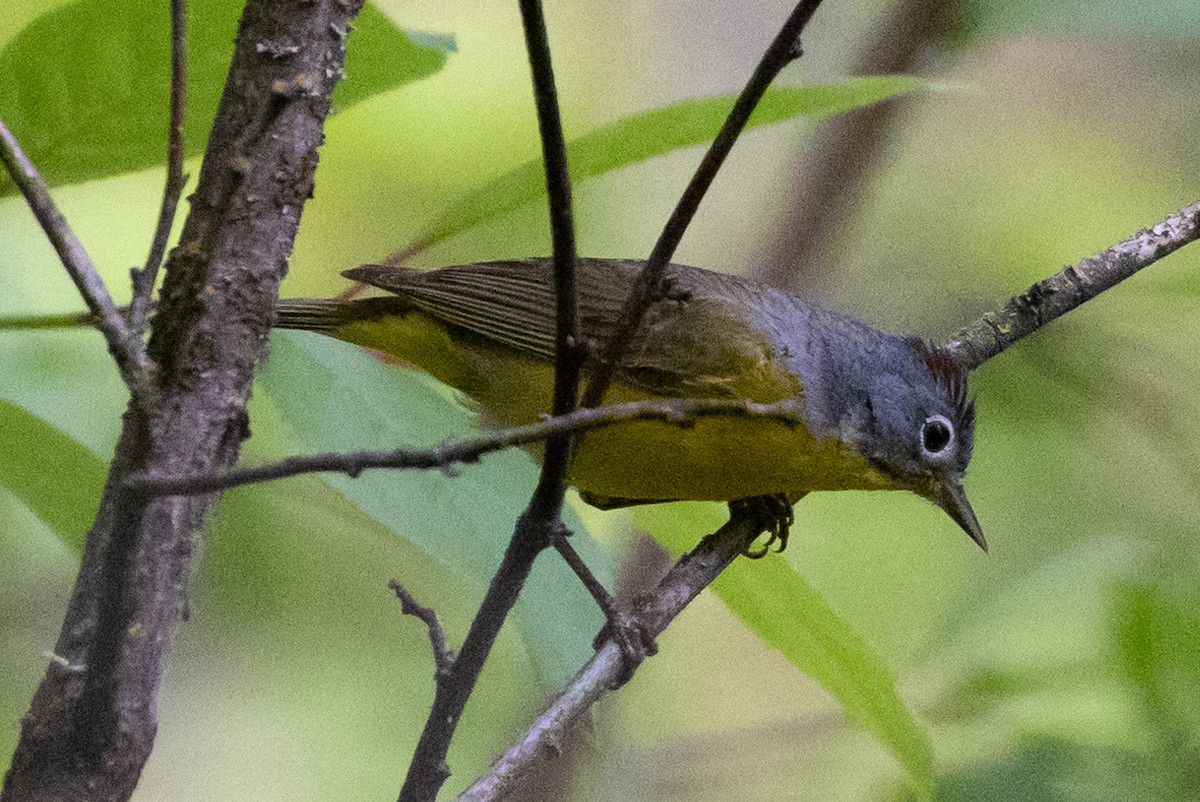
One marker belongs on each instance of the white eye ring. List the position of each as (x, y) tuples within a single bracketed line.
[(937, 435)]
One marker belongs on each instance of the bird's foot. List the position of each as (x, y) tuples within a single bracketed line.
[(775, 516)]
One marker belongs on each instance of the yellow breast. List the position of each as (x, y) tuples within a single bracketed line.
[(718, 459)]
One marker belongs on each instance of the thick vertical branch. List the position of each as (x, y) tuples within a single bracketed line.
[(91, 725)]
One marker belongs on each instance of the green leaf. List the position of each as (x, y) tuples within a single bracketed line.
[(59, 479), (85, 87), (1157, 629), (1161, 19), (1049, 768), (1155, 624), (779, 606), (334, 397), (381, 56), (653, 133), (787, 613)]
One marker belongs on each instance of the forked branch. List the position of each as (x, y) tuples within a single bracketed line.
[(128, 352)]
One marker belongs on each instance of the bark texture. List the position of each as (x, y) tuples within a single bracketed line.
[(91, 725)]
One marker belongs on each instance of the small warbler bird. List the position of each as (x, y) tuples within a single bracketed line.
[(879, 411)]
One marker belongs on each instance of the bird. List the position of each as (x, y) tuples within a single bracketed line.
[(878, 411)]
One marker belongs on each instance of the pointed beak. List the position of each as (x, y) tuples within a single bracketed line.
[(951, 497)]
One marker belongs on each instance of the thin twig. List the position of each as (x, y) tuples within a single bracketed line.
[(547, 497), (145, 279), (604, 600), (70, 320), (428, 770), (677, 412), (782, 51), (129, 356), (443, 657), (653, 612), (1055, 296)]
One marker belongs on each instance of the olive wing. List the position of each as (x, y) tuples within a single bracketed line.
[(698, 339)]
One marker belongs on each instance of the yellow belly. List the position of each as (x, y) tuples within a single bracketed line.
[(717, 459)]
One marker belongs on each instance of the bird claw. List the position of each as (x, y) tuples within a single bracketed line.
[(775, 515)]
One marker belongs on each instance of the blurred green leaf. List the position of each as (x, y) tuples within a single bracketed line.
[(1053, 770), (85, 87), (334, 397), (1171, 18), (56, 477), (1157, 634), (653, 133), (381, 56), (779, 606)]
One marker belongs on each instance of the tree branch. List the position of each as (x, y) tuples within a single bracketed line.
[(654, 612), (443, 658), (782, 51), (1055, 296), (126, 351), (89, 731), (677, 412), (428, 770), (145, 279)]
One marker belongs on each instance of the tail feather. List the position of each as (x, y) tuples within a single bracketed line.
[(328, 316)]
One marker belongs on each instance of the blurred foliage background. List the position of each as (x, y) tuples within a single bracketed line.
[(1064, 665)]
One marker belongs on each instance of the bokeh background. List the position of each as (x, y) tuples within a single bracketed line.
[(1063, 665)]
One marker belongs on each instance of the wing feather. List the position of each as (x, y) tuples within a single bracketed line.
[(700, 339), (511, 302)]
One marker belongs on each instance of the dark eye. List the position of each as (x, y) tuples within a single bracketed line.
[(936, 434)]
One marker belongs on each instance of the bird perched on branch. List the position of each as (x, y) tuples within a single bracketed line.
[(878, 411)]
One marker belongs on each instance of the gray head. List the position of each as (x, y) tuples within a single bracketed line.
[(904, 405)]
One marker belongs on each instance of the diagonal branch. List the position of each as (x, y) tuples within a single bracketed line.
[(782, 51), (655, 611), (1053, 297), (128, 352)]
